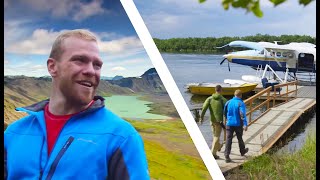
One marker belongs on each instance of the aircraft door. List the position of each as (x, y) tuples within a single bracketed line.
[(305, 62)]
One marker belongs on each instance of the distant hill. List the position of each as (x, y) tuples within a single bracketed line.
[(111, 78), (22, 90), (106, 78), (117, 78), (148, 82)]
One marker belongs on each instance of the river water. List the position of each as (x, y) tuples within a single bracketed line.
[(191, 68)]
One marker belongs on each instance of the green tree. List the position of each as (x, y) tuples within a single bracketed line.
[(253, 5), (209, 44)]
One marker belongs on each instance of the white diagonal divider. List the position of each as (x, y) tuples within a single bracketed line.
[(172, 89)]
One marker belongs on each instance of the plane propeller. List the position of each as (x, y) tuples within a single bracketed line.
[(223, 62)]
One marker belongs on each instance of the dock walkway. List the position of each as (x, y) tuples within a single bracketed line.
[(265, 131)]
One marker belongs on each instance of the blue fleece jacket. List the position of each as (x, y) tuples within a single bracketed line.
[(235, 109), (94, 144)]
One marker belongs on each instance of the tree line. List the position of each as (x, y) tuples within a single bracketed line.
[(209, 44)]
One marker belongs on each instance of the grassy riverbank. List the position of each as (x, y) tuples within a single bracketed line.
[(299, 165), (170, 151)]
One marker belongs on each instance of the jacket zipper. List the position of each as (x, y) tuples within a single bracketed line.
[(41, 170), (58, 157)]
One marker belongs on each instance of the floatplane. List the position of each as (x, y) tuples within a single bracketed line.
[(296, 58), (289, 58)]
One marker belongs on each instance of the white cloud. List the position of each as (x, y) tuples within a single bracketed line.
[(77, 10), (87, 10), (38, 67), (13, 31), (121, 45), (109, 35), (190, 5), (40, 42), (126, 62), (119, 53), (163, 23), (118, 68), (169, 19), (27, 69)]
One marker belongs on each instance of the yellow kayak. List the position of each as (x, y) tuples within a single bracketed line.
[(227, 89)]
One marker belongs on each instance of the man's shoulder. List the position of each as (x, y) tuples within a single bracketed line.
[(233, 101), (112, 123), (21, 125), (223, 98)]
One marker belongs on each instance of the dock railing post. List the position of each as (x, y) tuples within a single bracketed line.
[(274, 98), (250, 111), (268, 100), (287, 93), (296, 93)]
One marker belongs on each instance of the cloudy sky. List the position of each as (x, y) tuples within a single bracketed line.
[(30, 28), (188, 18)]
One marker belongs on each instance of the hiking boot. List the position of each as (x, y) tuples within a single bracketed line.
[(245, 151), (228, 159), (216, 156)]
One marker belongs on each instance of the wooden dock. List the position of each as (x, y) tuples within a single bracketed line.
[(265, 131), (269, 126)]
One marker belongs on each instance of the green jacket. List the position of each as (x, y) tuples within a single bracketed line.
[(215, 103)]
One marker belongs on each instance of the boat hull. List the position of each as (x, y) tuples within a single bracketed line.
[(226, 91)]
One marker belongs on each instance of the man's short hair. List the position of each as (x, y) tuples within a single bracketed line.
[(218, 88), (57, 49), (238, 93)]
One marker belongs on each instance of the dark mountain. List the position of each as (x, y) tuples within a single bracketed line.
[(117, 78), (148, 82)]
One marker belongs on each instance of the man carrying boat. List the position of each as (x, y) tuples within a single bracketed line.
[(236, 121), (215, 103)]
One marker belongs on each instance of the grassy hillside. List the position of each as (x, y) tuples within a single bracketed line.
[(170, 151)]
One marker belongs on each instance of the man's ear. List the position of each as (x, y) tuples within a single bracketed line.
[(52, 67)]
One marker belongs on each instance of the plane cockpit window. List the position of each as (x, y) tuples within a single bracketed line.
[(278, 54), (290, 55)]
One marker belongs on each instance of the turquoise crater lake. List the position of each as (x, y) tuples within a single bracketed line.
[(131, 107)]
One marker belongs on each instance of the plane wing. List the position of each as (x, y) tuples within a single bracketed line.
[(304, 47), (244, 44)]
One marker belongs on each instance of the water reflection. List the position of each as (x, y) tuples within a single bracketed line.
[(308, 129)]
